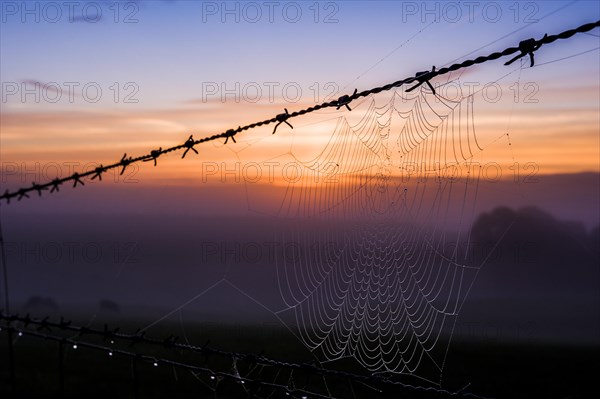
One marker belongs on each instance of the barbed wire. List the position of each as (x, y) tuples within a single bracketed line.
[(113, 335), (525, 48), (250, 384)]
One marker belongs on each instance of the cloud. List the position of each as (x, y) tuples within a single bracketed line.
[(50, 86)]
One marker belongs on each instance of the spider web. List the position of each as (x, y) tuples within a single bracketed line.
[(386, 288), (375, 269)]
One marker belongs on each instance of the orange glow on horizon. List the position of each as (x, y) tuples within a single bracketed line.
[(557, 141)]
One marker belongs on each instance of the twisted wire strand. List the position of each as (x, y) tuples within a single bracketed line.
[(250, 383), (525, 47), (171, 343)]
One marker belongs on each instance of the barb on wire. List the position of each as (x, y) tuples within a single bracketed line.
[(125, 162), (22, 194), (189, 145), (282, 118), (55, 185), (231, 134), (38, 188), (344, 100), (311, 368), (153, 155), (99, 170), (423, 77), (77, 180), (525, 47)]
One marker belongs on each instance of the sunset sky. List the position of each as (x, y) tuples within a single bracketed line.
[(83, 84)]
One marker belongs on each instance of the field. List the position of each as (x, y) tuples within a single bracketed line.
[(490, 368)]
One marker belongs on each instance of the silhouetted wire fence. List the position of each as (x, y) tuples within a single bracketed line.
[(525, 47), (15, 325), (45, 329)]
